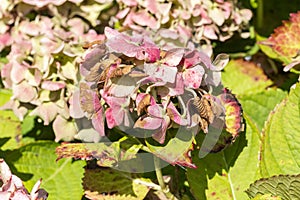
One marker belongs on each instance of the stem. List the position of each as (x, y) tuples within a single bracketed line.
[(260, 14), (159, 173), (160, 180)]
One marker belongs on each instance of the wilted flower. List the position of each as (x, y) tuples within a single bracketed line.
[(139, 85)]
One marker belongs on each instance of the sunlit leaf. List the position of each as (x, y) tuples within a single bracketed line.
[(225, 175), (61, 179), (244, 77), (283, 186), (108, 184), (281, 137)]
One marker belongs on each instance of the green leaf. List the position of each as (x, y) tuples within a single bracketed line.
[(284, 186), (9, 125), (281, 137), (115, 184), (225, 175), (258, 106), (177, 148), (244, 77), (62, 179)]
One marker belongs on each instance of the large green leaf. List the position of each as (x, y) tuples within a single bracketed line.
[(281, 137), (225, 175), (284, 186), (259, 105), (9, 125), (62, 179), (244, 77)]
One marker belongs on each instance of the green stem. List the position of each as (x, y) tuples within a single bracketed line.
[(260, 14), (159, 173), (164, 188)]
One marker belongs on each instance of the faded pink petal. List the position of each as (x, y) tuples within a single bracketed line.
[(139, 47), (63, 129), (53, 86), (148, 123), (5, 75), (130, 2), (163, 72), (143, 18), (42, 3), (173, 57), (193, 76), (155, 111), (5, 40), (24, 92), (122, 13), (175, 115), (176, 88), (98, 121), (160, 134), (75, 108), (217, 16), (46, 111), (18, 72), (210, 32)]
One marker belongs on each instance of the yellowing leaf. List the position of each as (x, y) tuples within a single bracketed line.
[(285, 40)]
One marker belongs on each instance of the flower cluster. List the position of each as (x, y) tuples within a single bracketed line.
[(42, 42), (179, 21), (13, 188), (132, 84), (42, 61)]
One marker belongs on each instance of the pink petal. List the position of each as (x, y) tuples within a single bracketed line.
[(148, 123), (175, 115), (47, 111), (24, 92), (63, 129), (160, 134), (5, 172), (110, 119), (156, 111), (53, 86), (143, 18), (98, 122), (173, 56), (75, 108), (163, 72), (193, 76)]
